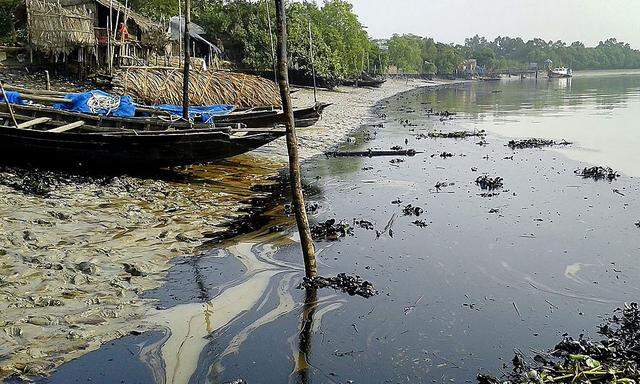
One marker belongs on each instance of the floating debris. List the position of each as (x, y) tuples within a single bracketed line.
[(364, 224), (442, 184), (444, 155), (410, 210), (598, 173), (611, 360), (420, 223), (351, 284), (456, 134), (331, 230), (535, 143), (396, 161), (311, 208), (486, 182)]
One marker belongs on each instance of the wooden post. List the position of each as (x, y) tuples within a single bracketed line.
[(4, 95), (46, 73), (306, 242), (187, 60), (306, 333)]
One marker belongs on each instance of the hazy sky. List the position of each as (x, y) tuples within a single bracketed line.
[(452, 20)]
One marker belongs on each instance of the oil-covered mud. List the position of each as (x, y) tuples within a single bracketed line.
[(78, 251)]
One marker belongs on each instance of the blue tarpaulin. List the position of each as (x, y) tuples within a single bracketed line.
[(204, 113), (13, 97), (99, 103)]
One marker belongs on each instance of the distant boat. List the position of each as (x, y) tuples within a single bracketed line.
[(559, 73)]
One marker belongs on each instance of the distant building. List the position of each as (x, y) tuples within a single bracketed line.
[(468, 68), (201, 47)]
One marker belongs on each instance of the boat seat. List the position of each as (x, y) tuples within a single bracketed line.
[(36, 121), (67, 127)]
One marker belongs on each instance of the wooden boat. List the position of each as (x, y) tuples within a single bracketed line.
[(489, 78), (559, 73), (56, 143), (252, 118), (370, 83), (304, 117)]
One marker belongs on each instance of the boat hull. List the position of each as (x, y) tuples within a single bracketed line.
[(555, 75), (118, 152)]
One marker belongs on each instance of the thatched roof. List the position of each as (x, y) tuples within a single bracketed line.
[(59, 26), (143, 22), (164, 86), (54, 28)]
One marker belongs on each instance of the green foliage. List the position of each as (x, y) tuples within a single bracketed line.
[(405, 52), (413, 54), (7, 20), (341, 46)]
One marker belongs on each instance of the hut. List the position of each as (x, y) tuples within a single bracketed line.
[(91, 33), (201, 47)]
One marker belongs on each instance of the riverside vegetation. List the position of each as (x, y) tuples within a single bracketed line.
[(342, 47)]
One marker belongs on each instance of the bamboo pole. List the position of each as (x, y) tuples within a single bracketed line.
[(273, 50), (179, 32), (46, 73), (187, 60), (313, 67), (4, 95), (302, 221), (109, 26)]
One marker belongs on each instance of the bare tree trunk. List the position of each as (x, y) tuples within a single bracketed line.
[(187, 60), (306, 242)]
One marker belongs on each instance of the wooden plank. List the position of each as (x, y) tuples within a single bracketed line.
[(67, 127), (36, 121)]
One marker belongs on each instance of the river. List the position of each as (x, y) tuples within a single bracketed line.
[(482, 276)]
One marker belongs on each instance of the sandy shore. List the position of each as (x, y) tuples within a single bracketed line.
[(351, 108), (78, 254)]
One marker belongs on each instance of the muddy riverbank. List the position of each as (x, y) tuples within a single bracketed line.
[(466, 275), (471, 276), (79, 252)]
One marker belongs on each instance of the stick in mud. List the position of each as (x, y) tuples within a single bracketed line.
[(306, 241), (4, 95), (371, 153)]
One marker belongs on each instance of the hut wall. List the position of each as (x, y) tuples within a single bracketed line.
[(56, 29)]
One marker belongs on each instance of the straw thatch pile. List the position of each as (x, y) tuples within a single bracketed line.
[(164, 86), (55, 28)]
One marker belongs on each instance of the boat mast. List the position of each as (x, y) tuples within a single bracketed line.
[(187, 60)]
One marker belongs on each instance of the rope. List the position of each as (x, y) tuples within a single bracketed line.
[(100, 103)]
